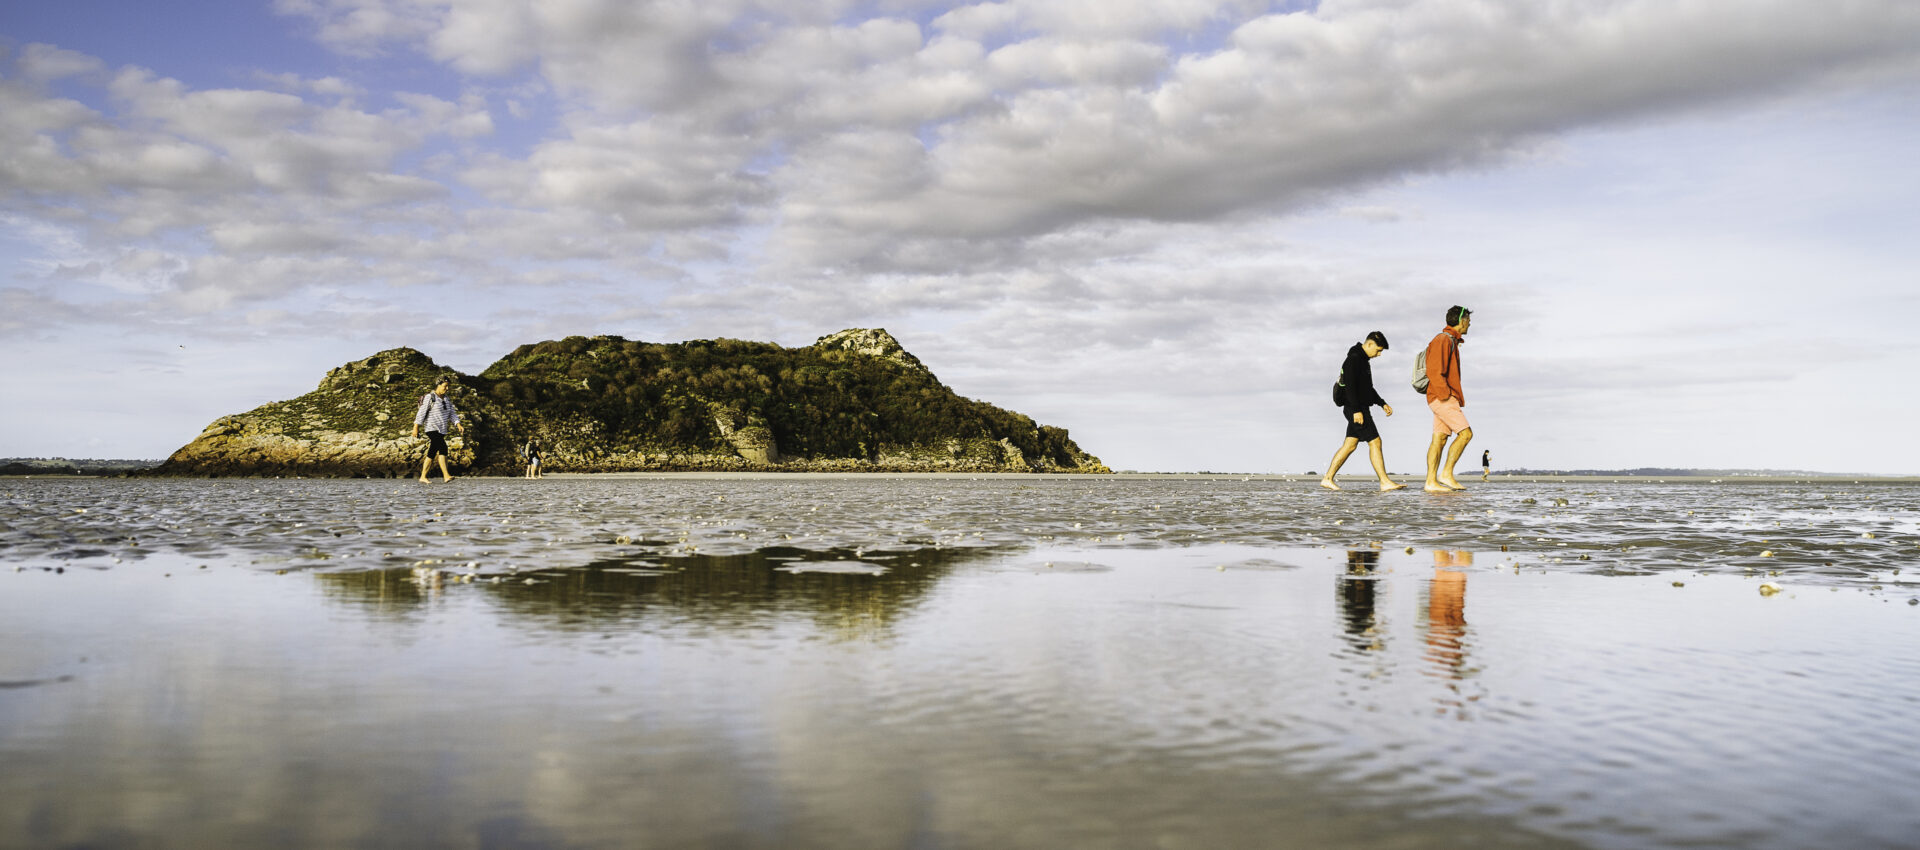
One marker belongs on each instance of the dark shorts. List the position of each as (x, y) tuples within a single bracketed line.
[(1365, 432), (436, 444)]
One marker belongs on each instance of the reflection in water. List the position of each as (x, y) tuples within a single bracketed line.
[(1357, 588), (388, 595), (846, 595), (1360, 589), (1446, 649), (1447, 612)]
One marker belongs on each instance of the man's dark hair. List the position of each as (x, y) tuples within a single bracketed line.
[(1379, 339), (1455, 312)]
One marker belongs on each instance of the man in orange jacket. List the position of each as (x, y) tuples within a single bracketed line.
[(1445, 399)]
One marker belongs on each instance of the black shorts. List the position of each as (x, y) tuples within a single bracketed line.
[(1366, 431), (436, 444)]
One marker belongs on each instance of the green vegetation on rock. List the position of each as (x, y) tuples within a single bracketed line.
[(853, 401)]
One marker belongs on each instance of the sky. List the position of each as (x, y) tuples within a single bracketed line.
[(1684, 227)]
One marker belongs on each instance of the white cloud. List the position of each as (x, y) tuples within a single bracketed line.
[(1084, 115), (1300, 105), (977, 22), (647, 175), (1146, 18), (43, 63), (1048, 62), (364, 27), (485, 36), (279, 238)]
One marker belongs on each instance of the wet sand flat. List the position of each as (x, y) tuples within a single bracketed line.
[(934, 661)]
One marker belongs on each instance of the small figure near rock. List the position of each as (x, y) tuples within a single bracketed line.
[(437, 414), (531, 452)]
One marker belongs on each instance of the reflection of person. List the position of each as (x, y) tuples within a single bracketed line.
[(1447, 611), (1356, 595), (532, 453), (1356, 375), (437, 414), (1445, 399), (1486, 464)]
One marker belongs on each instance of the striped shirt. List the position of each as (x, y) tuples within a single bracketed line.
[(437, 413)]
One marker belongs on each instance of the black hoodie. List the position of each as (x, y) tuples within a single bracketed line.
[(1357, 374)]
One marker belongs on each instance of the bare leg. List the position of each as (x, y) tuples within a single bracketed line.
[(1460, 442), (1339, 460), (1377, 454), (426, 463), (444, 474), (1434, 449)]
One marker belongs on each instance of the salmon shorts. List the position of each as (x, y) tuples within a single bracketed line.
[(1448, 418)]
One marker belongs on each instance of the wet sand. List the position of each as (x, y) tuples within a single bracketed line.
[(965, 661)]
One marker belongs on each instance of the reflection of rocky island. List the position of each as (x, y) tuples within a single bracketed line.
[(852, 401), (727, 593)]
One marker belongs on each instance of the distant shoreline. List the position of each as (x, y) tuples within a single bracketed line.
[(1471, 481), (1356, 483)]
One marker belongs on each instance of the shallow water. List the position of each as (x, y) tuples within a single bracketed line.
[(944, 662)]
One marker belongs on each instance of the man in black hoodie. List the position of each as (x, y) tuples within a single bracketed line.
[(1356, 376)]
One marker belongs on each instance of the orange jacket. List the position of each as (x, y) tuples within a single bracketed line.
[(1443, 367)]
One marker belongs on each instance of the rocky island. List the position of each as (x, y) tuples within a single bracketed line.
[(854, 401)]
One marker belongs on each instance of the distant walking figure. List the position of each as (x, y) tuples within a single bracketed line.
[(1486, 464), (437, 414), (532, 453), (1445, 399), (1357, 397)]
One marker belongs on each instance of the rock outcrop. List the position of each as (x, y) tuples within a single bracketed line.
[(853, 401), (358, 423), (873, 342)]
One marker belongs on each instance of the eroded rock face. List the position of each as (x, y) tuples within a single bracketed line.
[(250, 444), (394, 366), (357, 423), (873, 342), (749, 435), (597, 405)]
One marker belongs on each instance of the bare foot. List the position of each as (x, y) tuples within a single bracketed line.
[(1328, 483), (446, 479), (1452, 485), (1388, 486), (1436, 487), (423, 480)]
